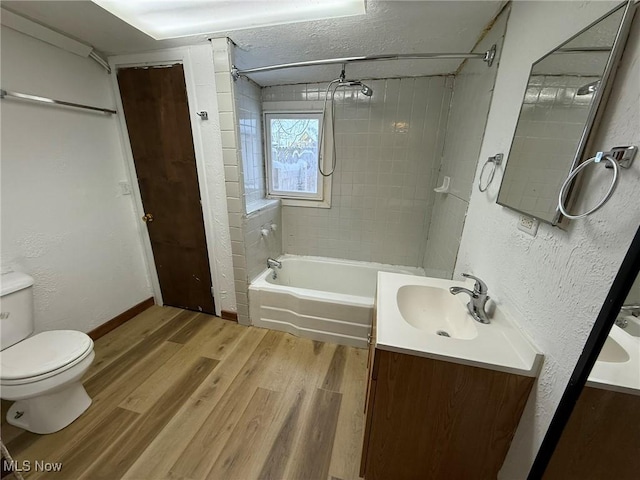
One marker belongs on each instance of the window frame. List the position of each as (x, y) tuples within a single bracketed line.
[(290, 195)]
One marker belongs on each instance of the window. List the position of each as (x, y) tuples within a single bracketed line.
[(292, 148)]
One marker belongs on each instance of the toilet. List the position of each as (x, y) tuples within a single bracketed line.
[(41, 372)]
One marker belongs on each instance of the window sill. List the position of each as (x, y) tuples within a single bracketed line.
[(263, 204), (290, 202)]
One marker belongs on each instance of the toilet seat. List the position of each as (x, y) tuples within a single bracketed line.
[(43, 355)]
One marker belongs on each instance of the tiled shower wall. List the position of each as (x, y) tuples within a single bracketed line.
[(472, 93), (388, 156), (249, 252), (260, 212), (249, 109)]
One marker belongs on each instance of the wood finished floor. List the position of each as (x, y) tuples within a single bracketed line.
[(183, 395)]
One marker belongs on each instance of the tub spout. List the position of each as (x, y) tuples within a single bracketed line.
[(273, 264)]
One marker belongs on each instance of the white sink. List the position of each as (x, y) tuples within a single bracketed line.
[(618, 365), (612, 352), (413, 313), (435, 310)]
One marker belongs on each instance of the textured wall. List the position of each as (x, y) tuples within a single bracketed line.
[(388, 154), (471, 98), (555, 283), (211, 172), (64, 220)]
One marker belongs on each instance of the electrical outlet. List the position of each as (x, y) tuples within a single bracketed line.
[(528, 225)]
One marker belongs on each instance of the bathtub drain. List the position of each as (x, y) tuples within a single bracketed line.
[(442, 333)]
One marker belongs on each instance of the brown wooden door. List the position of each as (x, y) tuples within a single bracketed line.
[(157, 115)]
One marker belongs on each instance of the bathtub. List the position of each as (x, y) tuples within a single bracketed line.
[(323, 299)]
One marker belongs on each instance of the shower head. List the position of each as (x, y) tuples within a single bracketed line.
[(588, 88), (365, 89)]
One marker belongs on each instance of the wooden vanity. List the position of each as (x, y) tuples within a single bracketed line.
[(601, 440), (433, 419)]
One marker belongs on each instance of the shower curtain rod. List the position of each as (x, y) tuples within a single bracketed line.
[(51, 101), (487, 57)]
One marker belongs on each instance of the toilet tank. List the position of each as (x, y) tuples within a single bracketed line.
[(16, 308)]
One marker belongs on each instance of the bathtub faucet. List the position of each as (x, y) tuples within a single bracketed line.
[(273, 264)]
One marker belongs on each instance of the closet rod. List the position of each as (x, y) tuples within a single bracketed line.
[(51, 101)]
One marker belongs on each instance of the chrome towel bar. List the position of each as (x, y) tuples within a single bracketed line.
[(35, 98)]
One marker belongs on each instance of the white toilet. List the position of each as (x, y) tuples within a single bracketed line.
[(41, 372)]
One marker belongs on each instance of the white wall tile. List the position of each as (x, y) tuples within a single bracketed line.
[(469, 107), (381, 146)]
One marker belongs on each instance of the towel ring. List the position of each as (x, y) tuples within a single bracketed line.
[(565, 186), (495, 160)]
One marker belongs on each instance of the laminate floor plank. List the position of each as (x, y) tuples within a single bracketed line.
[(274, 465), (186, 396), (204, 330), (118, 342), (203, 450), (167, 447), (89, 448), (276, 375), (350, 430), (220, 341), (312, 457), (115, 461), (52, 446), (243, 446), (119, 367), (333, 378), (307, 372), (190, 328)]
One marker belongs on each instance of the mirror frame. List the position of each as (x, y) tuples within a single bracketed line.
[(620, 288), (597, 106)]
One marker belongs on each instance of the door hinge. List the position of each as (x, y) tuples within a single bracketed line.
[(212, 294)]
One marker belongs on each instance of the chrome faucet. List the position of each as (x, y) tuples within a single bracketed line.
[(631, 309), (478, 298), (273, 264)]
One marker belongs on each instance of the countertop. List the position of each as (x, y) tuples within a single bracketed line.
[(499, 345)]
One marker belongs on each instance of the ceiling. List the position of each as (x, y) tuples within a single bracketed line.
[(389, 27)]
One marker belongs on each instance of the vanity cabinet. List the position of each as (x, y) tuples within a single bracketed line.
[(434, 419), (601, 440)]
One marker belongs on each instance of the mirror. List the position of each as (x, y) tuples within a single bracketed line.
[(559, 107), (595, 430), (602, 436)]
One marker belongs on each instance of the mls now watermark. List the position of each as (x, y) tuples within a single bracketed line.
[(29, 466)]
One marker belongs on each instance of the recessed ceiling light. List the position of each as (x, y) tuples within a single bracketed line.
[(181, 18)]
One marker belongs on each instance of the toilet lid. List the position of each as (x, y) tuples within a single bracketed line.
[(43, 353)]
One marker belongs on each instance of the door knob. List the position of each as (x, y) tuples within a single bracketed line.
[(147, 217)]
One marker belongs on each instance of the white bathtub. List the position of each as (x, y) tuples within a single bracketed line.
[(323, 299)]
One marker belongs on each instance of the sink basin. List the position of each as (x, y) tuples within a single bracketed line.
[(436, 311), (618, 364), (612, 352), (414, 313)]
